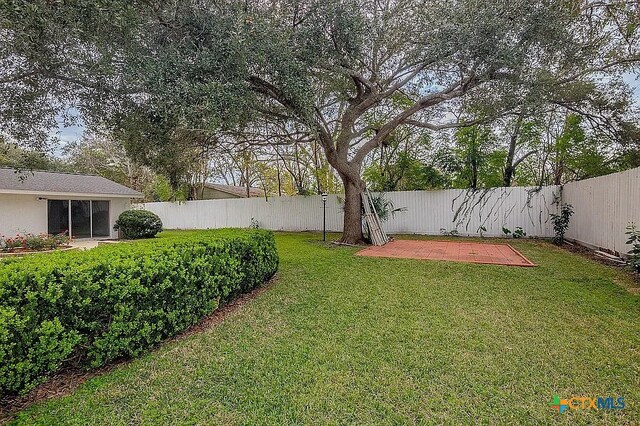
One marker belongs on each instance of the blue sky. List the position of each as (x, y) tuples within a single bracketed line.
[(633, 80), (69, 134)]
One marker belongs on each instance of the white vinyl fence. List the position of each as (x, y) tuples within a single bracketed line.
[(603, 207), (468, 211), (426, 212), (298, 213)]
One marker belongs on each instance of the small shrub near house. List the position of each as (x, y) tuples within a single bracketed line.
[(91, 307), (136, 224)]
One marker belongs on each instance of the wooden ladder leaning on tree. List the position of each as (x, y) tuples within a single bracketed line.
[(376, 233)]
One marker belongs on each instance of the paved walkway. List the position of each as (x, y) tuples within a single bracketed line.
[(495, 254), (84, 244)]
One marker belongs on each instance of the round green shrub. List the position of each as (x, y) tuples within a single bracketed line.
[(135, 224)]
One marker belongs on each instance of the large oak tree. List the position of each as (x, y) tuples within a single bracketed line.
[(350, 72)]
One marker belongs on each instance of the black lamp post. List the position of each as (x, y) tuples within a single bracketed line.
[(324, 216)]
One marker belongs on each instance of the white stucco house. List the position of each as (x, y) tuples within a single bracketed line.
[(36, 202)]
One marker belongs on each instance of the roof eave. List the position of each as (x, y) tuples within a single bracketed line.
[(70, 194)]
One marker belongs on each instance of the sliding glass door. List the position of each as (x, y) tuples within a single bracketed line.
[(100, 218), (58, 214), (80, 218)]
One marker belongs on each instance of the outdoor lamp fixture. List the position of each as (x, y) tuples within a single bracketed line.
[(324, 216)]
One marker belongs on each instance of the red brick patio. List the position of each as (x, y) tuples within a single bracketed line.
[(494, 254)]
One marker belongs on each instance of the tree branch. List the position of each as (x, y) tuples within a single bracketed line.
[(524, 157), (449, 125), (453, 91)]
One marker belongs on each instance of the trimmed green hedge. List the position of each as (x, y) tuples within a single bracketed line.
[(89, 308)]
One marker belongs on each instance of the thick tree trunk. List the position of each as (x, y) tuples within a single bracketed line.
[(349, 172), (352, 229)]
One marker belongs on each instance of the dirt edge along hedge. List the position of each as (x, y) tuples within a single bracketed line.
[(89, 308)]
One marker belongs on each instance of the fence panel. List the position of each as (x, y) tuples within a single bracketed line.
[(603, 207), (427, 212), (300, 213), (466, 211)]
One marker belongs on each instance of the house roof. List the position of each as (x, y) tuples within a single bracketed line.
[(238, 191), (41, 182)]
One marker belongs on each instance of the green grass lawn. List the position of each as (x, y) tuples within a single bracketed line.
[(344, 339)]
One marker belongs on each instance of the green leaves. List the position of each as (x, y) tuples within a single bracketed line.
[(477, 158), (135, 224), (118, 300), (633, 234), (561, 222)]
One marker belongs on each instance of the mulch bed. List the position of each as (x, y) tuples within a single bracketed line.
[(66, 381), (17, 252), (589, 253)]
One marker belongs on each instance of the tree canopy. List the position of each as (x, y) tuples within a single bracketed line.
[(345, 74)]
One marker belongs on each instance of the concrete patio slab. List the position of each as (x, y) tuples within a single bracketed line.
[(84, 244), (471, 252)]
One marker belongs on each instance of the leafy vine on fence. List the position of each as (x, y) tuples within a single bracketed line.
[(489, 203)]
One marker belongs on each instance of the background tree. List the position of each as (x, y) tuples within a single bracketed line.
[(405, 60), (404, 163), (474, 150), (104, 156), (23, 159), (522, 136)]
